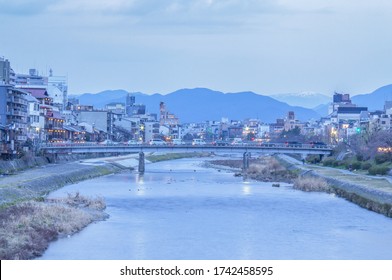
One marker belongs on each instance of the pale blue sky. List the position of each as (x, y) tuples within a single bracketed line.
[(266, 46)]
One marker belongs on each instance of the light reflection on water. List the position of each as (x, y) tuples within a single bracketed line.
[(180, 210)]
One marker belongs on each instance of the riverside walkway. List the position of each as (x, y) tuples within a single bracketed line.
[(374, 188)]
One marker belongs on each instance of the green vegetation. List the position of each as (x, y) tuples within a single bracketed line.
[(28, 227), (383, 158), (378, 170), (170, 156), (380, 165)]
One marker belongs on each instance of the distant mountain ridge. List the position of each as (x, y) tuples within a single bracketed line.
[(201, 104), (375, 100), (303, 99)]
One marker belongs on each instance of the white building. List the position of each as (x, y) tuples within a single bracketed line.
[(58, 90), (151, 130)]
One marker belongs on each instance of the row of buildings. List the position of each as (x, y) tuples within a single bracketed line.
[(35, 109)]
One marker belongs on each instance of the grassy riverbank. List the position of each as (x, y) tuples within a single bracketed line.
[(171, 156), (29, 222), (266, 169), (372, 193), (27, 228)]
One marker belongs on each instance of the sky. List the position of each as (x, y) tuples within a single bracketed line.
[(159, 46)]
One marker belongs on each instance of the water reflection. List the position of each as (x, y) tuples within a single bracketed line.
[(246, 188), (140, 187)]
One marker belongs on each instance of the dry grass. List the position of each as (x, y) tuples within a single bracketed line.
[(28, 227), (269, 169), (311, 184)]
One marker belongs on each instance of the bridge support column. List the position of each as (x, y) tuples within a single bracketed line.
[(245, 161), (141, 167)]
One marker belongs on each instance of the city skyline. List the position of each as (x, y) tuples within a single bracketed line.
[(268, 47)]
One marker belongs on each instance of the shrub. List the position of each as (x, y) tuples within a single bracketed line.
[(311, 184), (366, 166), (336, 163), (328, 162), (356, 165), (381, 158), (313, 159), (378, 170)]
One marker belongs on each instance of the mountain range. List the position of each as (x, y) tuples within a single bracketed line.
[(201, 104)]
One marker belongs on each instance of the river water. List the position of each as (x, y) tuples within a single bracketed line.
[(182, 210)]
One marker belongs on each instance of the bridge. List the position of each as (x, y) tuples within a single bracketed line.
[(267, 148)]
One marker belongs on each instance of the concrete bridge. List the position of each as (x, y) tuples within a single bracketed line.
[(268, 148)]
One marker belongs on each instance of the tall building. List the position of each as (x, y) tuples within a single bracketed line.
[(166, 118), (340, 100), (7, 75), (13, 120), (133, 109), (130, 101), (31, 79)]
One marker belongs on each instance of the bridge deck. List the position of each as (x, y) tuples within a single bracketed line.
[(120, 148)]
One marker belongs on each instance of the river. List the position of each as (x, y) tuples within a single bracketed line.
[(181, 210)]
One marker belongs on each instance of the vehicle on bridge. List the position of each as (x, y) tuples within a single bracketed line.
[(293, 144), (157, 142), (133, 142), (237, 142), (197, 142), (318, 144), (221, 143), (108, 142), (178, 142)]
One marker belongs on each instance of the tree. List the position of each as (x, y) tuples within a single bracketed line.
[(292, 135), (366, 145)]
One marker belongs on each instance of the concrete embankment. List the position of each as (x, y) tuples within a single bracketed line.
[(36, 182), (372, 193)]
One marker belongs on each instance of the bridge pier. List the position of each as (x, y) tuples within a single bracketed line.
[(245, 161), (141, 166)]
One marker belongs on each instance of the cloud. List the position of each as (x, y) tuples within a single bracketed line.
[(25, 7), (168, 8), (152, 6)]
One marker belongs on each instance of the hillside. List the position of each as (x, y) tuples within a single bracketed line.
[(376, 99)]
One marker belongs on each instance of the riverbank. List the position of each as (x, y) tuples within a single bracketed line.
[(29, 222), (266, 169), (370, 192), (27, 228)]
